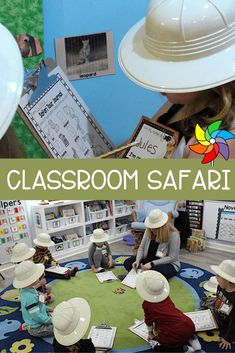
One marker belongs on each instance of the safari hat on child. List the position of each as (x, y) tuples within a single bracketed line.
[(156, 219), (26, 273), (11, 78), (98, 236), (179, 46), (152, 286), (226, 269), (211, 285), (21, 252), (44, 240), (70, 320)]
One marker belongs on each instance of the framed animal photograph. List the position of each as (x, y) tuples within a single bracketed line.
[(154, 140), (86, 56)]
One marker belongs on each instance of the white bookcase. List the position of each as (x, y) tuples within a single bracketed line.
[(71, 223)]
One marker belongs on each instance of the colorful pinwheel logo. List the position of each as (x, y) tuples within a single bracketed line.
[(212, 142)]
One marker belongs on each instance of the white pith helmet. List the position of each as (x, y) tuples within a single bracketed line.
[(11, 78), (181, 46)]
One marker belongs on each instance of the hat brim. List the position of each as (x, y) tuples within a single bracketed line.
[(147, 296), (82, 326), (30, 280), (223, 274), (94, 240), (11, 78), (44, 245), (27, 256), (156, 224), (143, 68), (209, 288)]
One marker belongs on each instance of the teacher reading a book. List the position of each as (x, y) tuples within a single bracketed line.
[(186, 51), (159, 248)]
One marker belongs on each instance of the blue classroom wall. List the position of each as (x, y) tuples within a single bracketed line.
[(114, 100)]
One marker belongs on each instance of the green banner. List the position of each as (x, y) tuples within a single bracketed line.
[(81, 179)]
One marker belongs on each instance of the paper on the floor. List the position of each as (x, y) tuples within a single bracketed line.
[(57, 269), (130, 279), (106, 276)]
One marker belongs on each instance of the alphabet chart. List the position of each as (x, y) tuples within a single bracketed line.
[(14, 227), (60, 119)]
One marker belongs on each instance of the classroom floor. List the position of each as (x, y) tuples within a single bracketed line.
[(202, 259)]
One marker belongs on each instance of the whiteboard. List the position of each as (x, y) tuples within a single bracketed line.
[(219, 220)]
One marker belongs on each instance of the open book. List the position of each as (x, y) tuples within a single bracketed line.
[(203, 320), (57, 269), (140, 329), (106, 276), (102, 336), (130, 279)]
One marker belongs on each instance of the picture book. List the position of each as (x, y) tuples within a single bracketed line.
[(102, 336), (106, 276), (57, 269), (203, 320)]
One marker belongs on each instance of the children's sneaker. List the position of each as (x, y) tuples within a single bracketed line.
[(188, 349), (194, 342), (67, 275), (74, 271), (23, 327)]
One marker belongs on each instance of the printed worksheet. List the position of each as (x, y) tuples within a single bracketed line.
[(62, 122), (203, 320), (130, 279)]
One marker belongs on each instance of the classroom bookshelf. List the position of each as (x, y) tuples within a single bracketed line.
[(71, 223)]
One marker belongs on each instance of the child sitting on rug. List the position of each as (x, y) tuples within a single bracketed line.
[(22, 252), (43, 255), (169, 330), (223, 306), (35, 313), (70, 320), (99, 252)]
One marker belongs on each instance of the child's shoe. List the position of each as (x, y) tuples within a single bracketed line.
[(194, 342), (74, 271), (67, 275), (49, 298), (188, 349), (23, 327)]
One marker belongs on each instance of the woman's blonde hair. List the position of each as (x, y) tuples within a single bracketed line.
[(220, 102), (161, 235)]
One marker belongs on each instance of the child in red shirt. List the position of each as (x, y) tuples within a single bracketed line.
[(168, 326)]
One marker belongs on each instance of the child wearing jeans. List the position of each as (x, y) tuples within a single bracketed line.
[(35, 313), (44, 256), (99, 253), (169, 330), (223, 306)]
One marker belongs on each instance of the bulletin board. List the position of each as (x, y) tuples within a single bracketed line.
[(220, 226), (14, 227)]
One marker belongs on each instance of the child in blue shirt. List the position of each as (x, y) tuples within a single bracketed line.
[(35, 313)]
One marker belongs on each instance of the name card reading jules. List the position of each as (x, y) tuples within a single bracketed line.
[(154, 141)]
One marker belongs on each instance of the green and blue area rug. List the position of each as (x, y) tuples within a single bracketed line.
[(106, 307)]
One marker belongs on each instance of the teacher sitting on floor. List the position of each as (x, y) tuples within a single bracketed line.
[(159, 248)]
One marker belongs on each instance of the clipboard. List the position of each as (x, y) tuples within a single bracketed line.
[(102, 336), (60, 120)]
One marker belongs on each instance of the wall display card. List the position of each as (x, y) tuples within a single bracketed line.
[(106, 276), (102, 336), (61, 121), (130, 279), (203, 320), (86, 56), (154, 141), (14, 227), (225, 225)]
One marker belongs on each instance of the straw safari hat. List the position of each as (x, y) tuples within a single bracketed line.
[(26, 273), (226, 270), (44, 240), (22, 252), (98, 236), (211, 285), (179, 46), (70, 320), (152, 286), (156, 219)]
